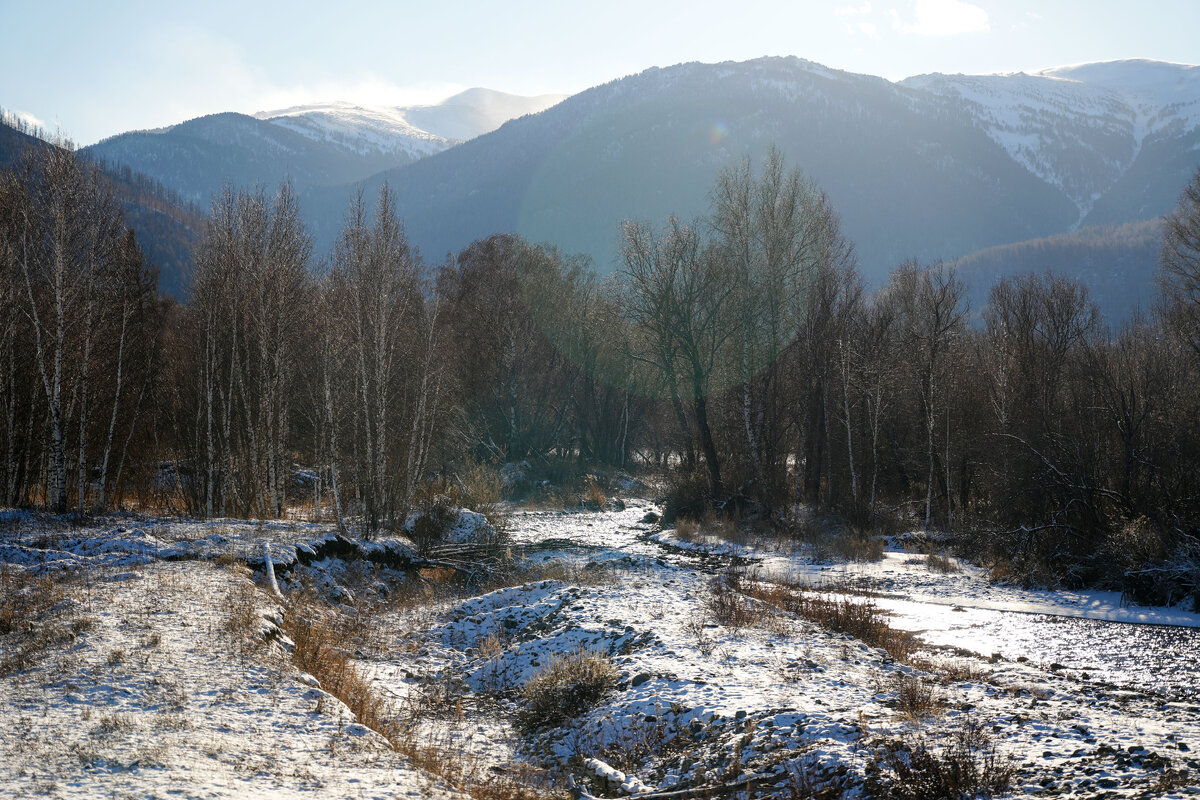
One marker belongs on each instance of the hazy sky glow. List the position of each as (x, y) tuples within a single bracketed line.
[(96, 69)]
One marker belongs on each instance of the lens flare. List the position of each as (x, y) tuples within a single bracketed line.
[(719, 131)]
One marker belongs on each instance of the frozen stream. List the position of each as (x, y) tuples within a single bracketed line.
[(1160, 658), (1089, 635)]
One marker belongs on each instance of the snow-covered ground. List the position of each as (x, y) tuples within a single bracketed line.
[(775, 704), (155, 698)]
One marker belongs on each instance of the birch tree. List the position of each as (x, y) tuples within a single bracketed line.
[(768, 233)]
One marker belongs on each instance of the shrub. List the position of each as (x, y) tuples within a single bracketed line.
[(862, 620), (1136, 543), (940, 563), (567, 687), (435, 515), (593, 496), (481, 487), (966, 765), (858, 544), (729, 605), (687, 498), (915, 697), (687, 530)]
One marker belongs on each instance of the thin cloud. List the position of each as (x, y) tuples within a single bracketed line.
[(942, 18), (845, 11), (197, 72), (868, 29)]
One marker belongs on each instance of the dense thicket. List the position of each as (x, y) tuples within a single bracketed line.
[(739, 351)]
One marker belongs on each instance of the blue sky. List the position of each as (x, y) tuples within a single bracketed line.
[(94, 69)]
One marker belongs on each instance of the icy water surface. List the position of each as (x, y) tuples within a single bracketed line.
[(1161, 658)]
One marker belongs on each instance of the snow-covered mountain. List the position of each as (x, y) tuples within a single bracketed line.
[(323, 144), (1079, 128), (358, 129), (411, 131), (932, 167)]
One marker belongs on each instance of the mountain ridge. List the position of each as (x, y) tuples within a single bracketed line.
[(932, 167), (329, 143)]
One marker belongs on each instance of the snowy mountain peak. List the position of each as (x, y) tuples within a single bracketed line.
[(1080, 127), (357, 128), (1161, 80), (413, 131)]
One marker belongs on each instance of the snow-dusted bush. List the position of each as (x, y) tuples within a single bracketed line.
[(442, 523), (568, 686), (965, 764), (514, 475)]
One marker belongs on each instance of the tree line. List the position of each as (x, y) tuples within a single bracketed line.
[(739, 351)]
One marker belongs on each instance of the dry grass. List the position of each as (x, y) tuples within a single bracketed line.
[(916, 698), (243, 620), (940, 563), (832, 540), (593, 496), (568, 686), (727, 528), (518, 573), (956, 671), (523, 783), (23, 597), (857, 544), (966, 764), (320, 651), (324, 644), (729, 605), (862, 620), (734, 601), (1172, 780), (687, 530), (37, 616)]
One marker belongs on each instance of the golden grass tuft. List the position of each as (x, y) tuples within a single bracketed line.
[(862, 620), (568, 686)]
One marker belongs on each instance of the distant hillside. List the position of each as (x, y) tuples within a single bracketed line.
[(196, 158), (935, 167), (323, 144), (1116, 262), (15, 138), (166, 227)]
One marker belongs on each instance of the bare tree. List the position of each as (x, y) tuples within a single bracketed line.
[(930, 304), (248, 292), (677, 291), (1179, 278), (377, 272), (769, 233)]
